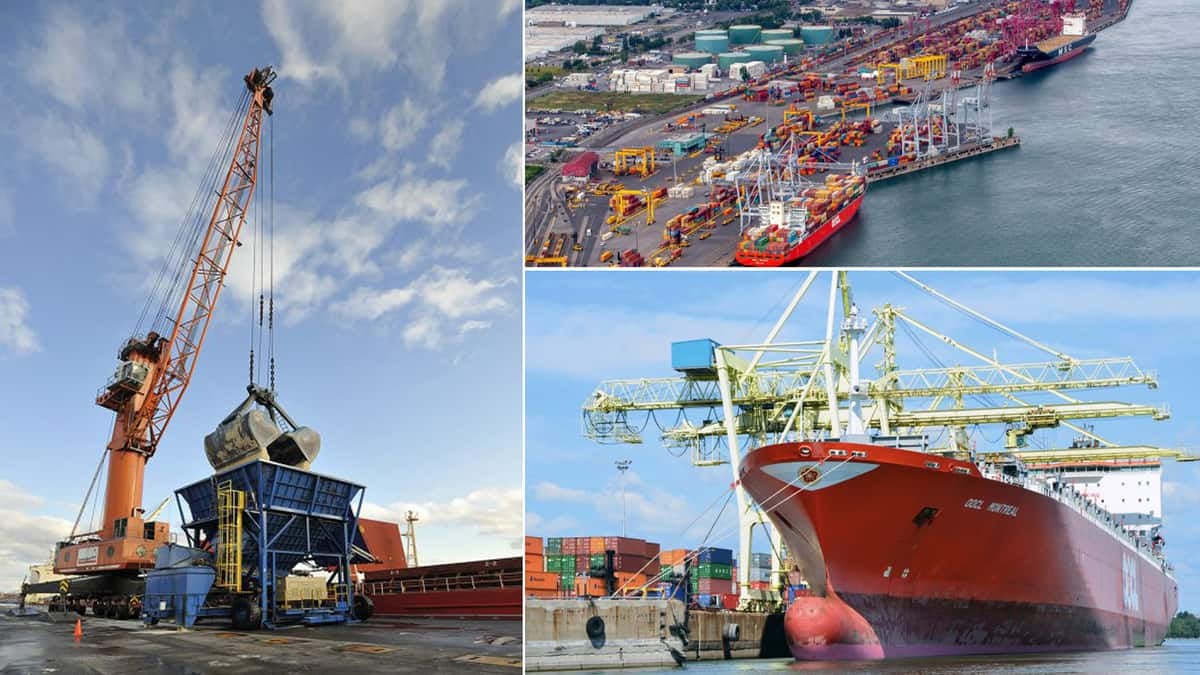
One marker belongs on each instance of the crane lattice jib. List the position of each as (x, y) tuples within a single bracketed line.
[(668, 393), (178, 357)]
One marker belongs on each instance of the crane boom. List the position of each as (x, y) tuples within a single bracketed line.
[(208, 273), (155, 369)]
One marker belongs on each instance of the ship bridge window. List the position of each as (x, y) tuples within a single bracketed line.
[(859, 453), (932, 465)]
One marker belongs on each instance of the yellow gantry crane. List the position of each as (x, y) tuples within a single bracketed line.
[(927, 67), (752, 395), (637, 161)]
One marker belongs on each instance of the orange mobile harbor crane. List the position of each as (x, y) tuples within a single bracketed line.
[(152, 375)]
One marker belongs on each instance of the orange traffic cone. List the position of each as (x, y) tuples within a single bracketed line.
[(78, 629)]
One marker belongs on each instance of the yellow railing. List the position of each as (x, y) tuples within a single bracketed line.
[(230, 504)]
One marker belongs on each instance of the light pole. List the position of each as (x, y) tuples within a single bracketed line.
[(622, 467)]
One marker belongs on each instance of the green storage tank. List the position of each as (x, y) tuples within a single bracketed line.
[(816, 35), (769, 34), (692, 59), (712, 41), (744, 34), (729, 58), (765, 53), (791, 46)]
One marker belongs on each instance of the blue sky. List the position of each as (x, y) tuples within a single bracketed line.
[(397, 215), (582, 329)]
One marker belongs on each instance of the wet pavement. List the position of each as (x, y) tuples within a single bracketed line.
[(381, 645)]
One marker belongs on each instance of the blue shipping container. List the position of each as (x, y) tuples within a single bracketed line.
[(694, 356), (708, 600), (720, 556)]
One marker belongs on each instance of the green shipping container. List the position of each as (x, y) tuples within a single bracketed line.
[(596, 561), (714, 571), (554, 546)]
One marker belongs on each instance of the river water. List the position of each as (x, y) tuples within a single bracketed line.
[(1176, 656), (1108, 173)]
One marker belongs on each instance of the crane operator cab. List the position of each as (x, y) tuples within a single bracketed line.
[(260, 429)]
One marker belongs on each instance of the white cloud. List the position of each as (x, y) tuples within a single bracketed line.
[(15, 333), (473, 325), (501, 92), (84, 61), (27, 539), (652, 508), (453, 294), (512, 166), (72, 149), (489, 512), (361, 128), (366, 303), (443, 202), (295, 61), (536, 525), (447, 305), (446, 143), (402, 124), (1180, 496), (336, 41)]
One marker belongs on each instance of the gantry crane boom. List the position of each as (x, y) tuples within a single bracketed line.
[(156, 368)]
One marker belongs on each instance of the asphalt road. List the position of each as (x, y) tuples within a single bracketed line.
[(380, 645)]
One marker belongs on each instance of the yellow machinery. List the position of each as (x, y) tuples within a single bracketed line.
[(855, 106), (545, 261), (928, 67), (794, 114), (639, 161), (623, 215), (230, 504)]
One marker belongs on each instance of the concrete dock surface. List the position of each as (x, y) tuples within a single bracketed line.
[(380, 645)]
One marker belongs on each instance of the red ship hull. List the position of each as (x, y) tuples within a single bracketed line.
[(477, 588), (804, 246), (499, 603), (1038, 65), (910, 559)]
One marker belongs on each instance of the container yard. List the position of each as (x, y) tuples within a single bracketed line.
[(266, 544), (974, 474), (625, 602), (880, 103)]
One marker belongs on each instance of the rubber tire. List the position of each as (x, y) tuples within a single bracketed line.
[(595, 627), (99, 608), (123, 611), (246, 615), (364, 608)]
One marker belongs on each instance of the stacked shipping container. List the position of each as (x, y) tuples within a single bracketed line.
[(538, 582), (569, 560)]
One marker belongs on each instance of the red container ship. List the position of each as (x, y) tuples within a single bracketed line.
[(791, 229), (915, 554)]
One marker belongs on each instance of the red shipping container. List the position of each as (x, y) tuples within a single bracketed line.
[(583, 545), (729, 601), (583, 562), (715, 586)]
